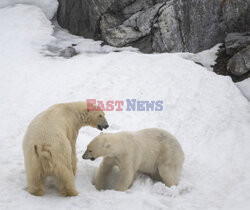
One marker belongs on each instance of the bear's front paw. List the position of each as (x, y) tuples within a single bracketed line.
[(99, 186), (121, 188), (69, 193), (36, 192)]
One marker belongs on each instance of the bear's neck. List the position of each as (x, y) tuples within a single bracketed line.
[(79, 115)]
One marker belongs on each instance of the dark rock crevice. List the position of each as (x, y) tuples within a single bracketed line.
[(234, 57)]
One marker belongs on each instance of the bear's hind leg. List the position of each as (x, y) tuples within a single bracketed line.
[(65, 179), (35, 181), (168, 174)]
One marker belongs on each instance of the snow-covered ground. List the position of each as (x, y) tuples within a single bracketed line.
[(49, 7), (244, 86), (205, 58), (206, 112), (64, 39)]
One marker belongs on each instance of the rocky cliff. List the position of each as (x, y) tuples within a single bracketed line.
[(156, 25)]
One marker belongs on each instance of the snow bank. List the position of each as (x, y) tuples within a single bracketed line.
[(49, 7), (206, 112), (206, 58), (24, 31), (64, 39), (244, 86)]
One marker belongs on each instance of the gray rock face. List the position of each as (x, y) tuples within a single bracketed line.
[(235, 42), (137, 26), (156, 25), (233, 57), (82, 17), (239, 64)]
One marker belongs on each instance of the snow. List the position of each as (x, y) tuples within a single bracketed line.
[(64, 39), (205, 58), (49, 7), (205, 111), (244, 86)]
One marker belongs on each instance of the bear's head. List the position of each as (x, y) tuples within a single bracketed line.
[(97, 119), (100, 146)]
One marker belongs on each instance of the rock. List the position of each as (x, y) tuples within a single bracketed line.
[(68, 52), (239, 64), (137, 26), (232, 57), (167, 36), (156, 25), (82, 17), (235, 42)]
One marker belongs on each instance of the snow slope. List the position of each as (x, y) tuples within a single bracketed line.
[(206, 58), (64, 39), (206, 112), (49, 7), (244, 86)]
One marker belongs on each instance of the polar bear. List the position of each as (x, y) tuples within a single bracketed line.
[(151, 151), (49, 145)]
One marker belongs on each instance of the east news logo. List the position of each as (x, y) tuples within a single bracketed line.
[(127, 105)]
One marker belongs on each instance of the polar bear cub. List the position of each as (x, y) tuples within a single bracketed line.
[(49, 145), (151, 151)]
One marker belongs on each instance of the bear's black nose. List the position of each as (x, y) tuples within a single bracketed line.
[(99, 127), (106, 126)]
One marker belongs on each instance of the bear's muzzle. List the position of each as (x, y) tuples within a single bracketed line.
[(85, 156), (100, 127), (102, 124)]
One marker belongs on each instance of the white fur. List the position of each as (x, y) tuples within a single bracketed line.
[(151, 151), (49, 145)]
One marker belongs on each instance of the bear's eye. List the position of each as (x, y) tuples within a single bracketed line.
[(90, 150), (100, 115)]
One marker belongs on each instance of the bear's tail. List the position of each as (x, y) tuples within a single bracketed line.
[(44, 154)]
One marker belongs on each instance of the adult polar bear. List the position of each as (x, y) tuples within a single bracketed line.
[(152, 151), (49, 145)]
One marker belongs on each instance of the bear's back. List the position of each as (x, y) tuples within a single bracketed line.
[(160, 140)]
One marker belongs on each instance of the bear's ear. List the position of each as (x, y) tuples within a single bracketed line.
[(107, 145)]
